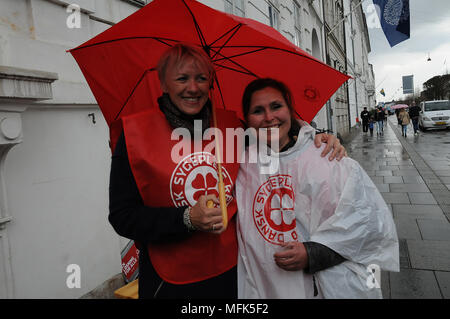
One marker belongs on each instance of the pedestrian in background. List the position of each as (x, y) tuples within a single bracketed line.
[(371, 124), (414, 111), (380, 121), (405, 120), (365, 119)]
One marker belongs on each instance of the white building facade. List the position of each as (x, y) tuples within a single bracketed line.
[(361, 88), (55, 155)]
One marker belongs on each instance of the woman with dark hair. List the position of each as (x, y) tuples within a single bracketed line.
[(184, 249), (311, 218)]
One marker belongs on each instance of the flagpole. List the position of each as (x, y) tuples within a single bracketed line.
[(345, 17)]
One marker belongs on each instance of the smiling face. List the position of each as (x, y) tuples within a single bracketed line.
[(187, 85), (269, 110)]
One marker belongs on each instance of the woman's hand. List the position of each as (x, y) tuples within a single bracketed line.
[(332, 144), (293, 257), (207, 219)]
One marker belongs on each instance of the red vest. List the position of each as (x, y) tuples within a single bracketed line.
[(163, 182)]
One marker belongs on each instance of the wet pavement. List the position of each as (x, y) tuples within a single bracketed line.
[(413, 175)]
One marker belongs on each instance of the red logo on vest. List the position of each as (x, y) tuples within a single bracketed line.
[(196, 175), (273, 210)]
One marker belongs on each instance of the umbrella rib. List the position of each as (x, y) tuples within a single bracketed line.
[(236, 26), (240, 54), (162, 40), (236, 29), (132, 91), (220, 92), (197, 27), (247, 71), (274, 48)]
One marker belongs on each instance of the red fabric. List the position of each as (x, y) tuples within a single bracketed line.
[(119, 63), (163, 182)]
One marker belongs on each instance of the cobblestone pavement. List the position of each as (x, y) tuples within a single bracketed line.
[(413, 175)]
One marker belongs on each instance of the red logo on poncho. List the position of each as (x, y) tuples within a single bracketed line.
[(274, 211), (196, 175)]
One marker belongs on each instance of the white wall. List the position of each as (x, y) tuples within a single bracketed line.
[(57, 178), (57, 184)]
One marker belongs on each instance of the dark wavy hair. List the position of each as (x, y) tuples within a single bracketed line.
[(263, 83)]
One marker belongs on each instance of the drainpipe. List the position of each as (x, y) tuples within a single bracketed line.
[(346, 71), (329, 109), (354, 61)]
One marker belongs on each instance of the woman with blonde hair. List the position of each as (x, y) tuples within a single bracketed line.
[(404, 119)]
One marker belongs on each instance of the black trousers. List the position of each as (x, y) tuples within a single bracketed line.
[(152, 286), (223, 286), (365, 126)]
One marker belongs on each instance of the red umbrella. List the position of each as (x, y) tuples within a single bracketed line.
[(119, 64)]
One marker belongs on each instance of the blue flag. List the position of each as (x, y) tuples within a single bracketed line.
[(394, 18)]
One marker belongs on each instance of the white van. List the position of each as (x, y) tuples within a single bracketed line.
[(434, 114)]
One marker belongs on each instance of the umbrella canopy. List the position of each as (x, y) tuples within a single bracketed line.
[(119, 64), (399, 106)]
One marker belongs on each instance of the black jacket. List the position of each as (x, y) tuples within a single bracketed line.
[(414, 111), (365, 116), (380, 116)]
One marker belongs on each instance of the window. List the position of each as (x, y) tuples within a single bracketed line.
[(338, 16), (297, 25), (235, 7), (273, 16), (139, 3)]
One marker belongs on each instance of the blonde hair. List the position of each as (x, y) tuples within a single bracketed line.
[(178, 54)]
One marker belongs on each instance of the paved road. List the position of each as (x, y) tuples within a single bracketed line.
[(413, 175)]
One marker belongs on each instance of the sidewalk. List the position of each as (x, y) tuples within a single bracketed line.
[(420, 203)]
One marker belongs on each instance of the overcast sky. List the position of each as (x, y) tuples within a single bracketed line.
[(430, 35)]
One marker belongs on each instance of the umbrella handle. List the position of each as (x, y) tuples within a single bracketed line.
[(222, 199), (221, 186)]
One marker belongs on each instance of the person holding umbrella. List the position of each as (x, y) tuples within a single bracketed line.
[(310, 229), (185, 249)]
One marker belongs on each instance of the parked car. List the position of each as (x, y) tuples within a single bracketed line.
[(434, 114)]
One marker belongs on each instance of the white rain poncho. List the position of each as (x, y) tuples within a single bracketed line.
[(312, 199)]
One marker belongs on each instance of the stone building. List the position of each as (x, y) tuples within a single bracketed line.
[(334, 29), (361, 88), (55, 156)]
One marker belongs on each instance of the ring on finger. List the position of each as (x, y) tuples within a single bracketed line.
[(213, 227)]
